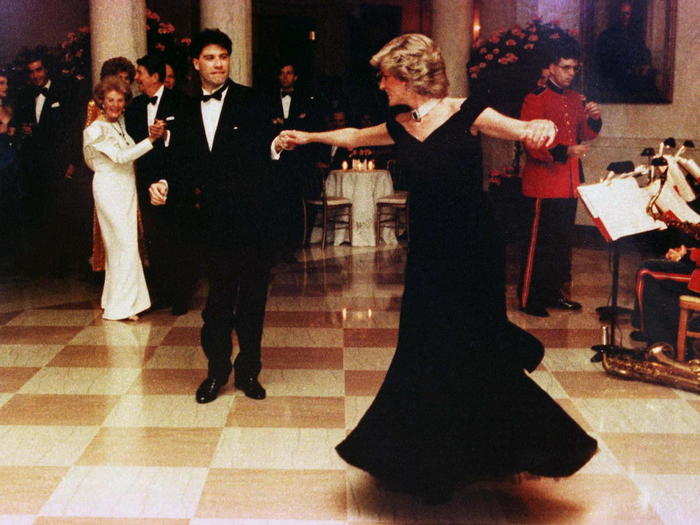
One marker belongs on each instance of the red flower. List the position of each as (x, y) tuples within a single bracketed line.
[(483, 50), (186, 41), (495, 39), (482, 65), (533, 38), (510, 42), (529, 46), (496, 51), (489, 57), (503, 60)]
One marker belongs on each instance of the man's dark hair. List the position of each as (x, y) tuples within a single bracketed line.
[(285, 64), (209, 37), (153, 64), (567, 49), (38, 54)]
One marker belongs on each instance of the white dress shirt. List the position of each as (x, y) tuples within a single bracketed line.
[(211, 111), (152, 109), (39, 102), (286, 104)]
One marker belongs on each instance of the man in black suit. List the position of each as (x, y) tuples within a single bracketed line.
[(292, 108), (170, 233), (49, 123), (221, 149)]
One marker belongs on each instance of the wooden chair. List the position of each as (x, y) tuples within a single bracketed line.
[(689, 304), (392, 212), (335, 212)]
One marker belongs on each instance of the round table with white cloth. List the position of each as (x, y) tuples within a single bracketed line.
[(363, 188)]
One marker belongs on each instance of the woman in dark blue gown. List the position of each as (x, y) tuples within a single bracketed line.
[(456, 404)]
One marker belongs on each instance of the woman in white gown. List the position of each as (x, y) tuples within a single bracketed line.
[(110, 152)]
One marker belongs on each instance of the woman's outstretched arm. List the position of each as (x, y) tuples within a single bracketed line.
[(536, 133), (348, 138)]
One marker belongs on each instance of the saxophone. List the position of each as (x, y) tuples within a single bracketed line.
[(655, 366)]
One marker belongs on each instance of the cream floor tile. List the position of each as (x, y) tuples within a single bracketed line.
[(43, 446), (367, 358), (55, 520), (116, 333), (672, 496), (549, 384), (307, 383), (355, 407), (283, 336), (17, 519), (127, 492), (190, 357), (570, 359), (93, 381), (27, 355), (639, 415), (54, 318), (4, 398), (372, 290), (684, 394), (169, 411), (284, 449), (639, 453)]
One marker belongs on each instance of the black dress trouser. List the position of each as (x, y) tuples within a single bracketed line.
[(238, 283)]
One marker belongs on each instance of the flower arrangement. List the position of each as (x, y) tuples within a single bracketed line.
[(510, 63), (72, 56)]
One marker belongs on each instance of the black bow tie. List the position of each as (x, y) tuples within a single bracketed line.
[(153, 100), (41, 91), (286, 92), (216, 95)]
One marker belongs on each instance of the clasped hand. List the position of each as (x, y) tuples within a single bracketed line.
[(156, 130), (539, 133), (290, 139)]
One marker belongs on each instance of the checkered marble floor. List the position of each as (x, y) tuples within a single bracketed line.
[(98, 422)]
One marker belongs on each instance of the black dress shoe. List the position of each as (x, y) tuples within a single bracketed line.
[(209, 390), (536, 309), (561, 302), (251, 387)]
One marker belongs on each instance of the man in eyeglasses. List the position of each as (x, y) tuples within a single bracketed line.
[(550, 178)]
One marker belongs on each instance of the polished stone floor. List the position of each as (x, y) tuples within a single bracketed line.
[(98, 419)]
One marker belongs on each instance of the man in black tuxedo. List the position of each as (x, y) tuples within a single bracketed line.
[(170, 232), (221, 150), (292, 108), (50, 132)]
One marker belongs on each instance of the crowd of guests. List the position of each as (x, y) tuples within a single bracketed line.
[(46, 200)]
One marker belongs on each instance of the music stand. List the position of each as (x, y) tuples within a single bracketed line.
[(609, 347), (608, 313)]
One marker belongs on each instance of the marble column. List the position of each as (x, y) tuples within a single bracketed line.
[(452, 29), (117, 28), (235, 18)]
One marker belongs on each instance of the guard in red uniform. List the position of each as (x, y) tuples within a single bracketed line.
[(550, 179)]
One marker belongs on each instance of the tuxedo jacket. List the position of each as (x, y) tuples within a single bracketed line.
[(303, 112), (56, 139), (151, 166), (233, 182)]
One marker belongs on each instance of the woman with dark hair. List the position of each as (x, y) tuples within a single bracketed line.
[(111, 152), (456, 404)]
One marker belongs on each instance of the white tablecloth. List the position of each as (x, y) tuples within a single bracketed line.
[(363, 188)]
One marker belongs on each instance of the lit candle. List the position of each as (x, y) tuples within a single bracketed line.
[(370, 165), (344, 165)]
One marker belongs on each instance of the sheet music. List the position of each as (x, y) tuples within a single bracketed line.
[(620, 205), (677, 178), (670, 200)]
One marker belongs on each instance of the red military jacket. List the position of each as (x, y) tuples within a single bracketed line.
[(549, 173)]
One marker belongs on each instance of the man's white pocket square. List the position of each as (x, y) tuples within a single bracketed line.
[(56, 105)]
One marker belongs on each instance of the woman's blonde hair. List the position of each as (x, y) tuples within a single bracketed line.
[(111, 83), (415, 59)]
